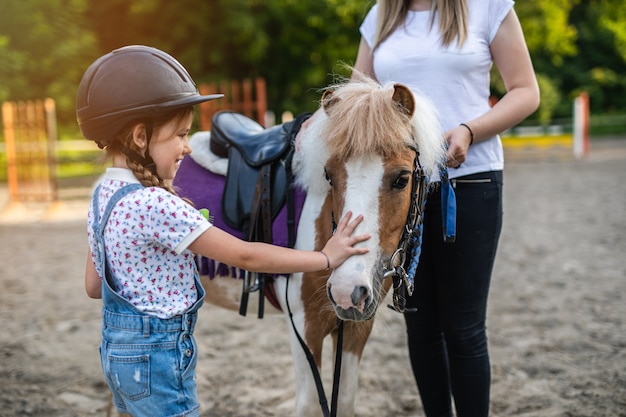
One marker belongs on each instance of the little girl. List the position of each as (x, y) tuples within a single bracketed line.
[(137, 103)]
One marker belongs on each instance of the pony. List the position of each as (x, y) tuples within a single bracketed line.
[(367, 150)]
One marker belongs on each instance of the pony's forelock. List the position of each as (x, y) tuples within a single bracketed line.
[(363, 119)]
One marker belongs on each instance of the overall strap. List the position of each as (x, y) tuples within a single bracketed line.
[(117, 196), (99, 226)]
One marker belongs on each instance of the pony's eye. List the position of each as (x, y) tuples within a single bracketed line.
[(327, 176), (401, 182)]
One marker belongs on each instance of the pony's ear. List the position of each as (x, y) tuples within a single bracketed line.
[(403, 96), (328, 100)]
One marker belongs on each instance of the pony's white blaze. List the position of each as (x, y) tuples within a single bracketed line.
[(350, 285)]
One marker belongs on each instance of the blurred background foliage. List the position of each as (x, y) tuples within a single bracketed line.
[(297, 46)]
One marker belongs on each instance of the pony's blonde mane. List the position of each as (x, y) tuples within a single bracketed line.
[(364, 119)]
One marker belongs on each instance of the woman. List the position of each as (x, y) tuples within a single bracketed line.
[(444, 49)]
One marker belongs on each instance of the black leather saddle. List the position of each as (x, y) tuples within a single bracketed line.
[(256, 158), (258, 184)]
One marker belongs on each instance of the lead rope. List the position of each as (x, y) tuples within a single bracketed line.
[(291, 243), (337, 374), (332, 412)]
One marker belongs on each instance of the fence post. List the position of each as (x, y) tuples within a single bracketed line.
[(208, 108), (581, 125), (261, 99), (51, 130), (245, 96), (8, 119), (30, 150)]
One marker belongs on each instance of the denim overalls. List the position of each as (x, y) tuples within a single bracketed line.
[(148, 362)]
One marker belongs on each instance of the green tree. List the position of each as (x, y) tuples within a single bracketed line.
[(42, 51), (600, 66), (294, 45), (210, 38), (310, 43), (549, 34), (297, 46), (550, 45)]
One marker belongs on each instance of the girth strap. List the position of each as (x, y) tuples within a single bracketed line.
[(260, 231)]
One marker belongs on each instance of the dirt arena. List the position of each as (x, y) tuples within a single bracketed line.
[(557, 312)]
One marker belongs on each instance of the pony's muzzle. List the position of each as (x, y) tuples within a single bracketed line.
[(350, 305)]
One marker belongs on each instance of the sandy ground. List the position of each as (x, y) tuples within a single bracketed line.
[(557, 322)]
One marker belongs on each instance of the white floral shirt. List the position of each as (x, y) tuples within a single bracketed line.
[(146, 240)]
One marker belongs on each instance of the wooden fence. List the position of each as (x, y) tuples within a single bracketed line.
[(30, 136), (245, 96)]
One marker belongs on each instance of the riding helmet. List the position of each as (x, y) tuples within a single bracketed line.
[(133, 83)]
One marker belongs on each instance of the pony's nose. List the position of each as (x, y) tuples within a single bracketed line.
[(360, 297)]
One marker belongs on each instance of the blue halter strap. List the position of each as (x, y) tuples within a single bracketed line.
[(448, 206), (448, 218)]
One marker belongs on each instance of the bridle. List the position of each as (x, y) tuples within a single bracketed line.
[(401, 268)]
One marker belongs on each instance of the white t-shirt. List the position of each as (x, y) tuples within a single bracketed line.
[(455, 79), (146, 240)]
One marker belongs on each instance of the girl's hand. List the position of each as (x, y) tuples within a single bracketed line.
[(341, 245)]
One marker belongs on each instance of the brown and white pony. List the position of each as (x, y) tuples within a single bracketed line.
[(359, 154)]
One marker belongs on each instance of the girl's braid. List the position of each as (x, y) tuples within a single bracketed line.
[(145, 176)]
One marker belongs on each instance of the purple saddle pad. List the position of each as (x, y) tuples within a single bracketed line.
[(204, 188)]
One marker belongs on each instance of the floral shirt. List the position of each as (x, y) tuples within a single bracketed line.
[(146, 240)]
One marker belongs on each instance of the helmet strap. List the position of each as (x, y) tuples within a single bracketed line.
[(146, 161)]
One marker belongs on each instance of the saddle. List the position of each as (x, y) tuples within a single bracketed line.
[(254, 153), (258, 183)]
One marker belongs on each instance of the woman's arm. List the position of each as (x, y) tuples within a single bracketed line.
[(262, 257), (511, 57), (364, 61), (93, 283), (510, 54)]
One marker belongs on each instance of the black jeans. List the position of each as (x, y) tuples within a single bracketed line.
[(447, 335)]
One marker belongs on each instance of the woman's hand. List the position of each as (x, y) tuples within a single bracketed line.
[(341, 245), (459, 140)]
